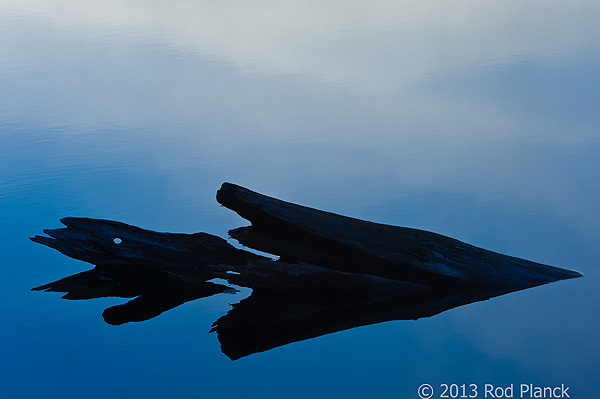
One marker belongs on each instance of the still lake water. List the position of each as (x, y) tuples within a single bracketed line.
[(479, 120)]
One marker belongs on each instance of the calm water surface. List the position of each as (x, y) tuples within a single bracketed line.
[(474, 119)]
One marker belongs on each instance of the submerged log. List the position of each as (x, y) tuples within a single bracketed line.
[(319, 251), (334, 272), (301, 234), (98, 241), (130, 254)]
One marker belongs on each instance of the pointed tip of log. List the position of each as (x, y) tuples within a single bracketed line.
[(42, 240)]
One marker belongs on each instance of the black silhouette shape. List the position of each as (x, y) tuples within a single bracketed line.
[(334, 272)]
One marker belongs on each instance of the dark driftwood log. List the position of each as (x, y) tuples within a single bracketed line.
[(334, 272), (299, 233), (281, 276), (181, 261), (99, 241)]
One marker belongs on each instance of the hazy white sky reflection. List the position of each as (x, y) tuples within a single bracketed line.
[(378, 45), (492, 99)]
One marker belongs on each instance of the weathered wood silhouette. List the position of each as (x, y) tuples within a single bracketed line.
[(334, 272), (342, 243)]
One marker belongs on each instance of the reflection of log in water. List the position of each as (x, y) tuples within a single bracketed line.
[(154, 291), (267, 320), (334, 272)]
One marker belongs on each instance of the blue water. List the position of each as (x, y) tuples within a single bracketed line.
[(477, 120)]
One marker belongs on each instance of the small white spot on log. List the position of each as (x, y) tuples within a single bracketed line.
[(117, 240)]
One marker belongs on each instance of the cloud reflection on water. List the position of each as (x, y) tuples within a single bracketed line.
[(373, 45), (430, 91)]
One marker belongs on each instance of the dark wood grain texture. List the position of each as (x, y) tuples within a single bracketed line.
[(299, 233)]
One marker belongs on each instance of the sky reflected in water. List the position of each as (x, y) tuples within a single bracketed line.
[(478, 120)]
